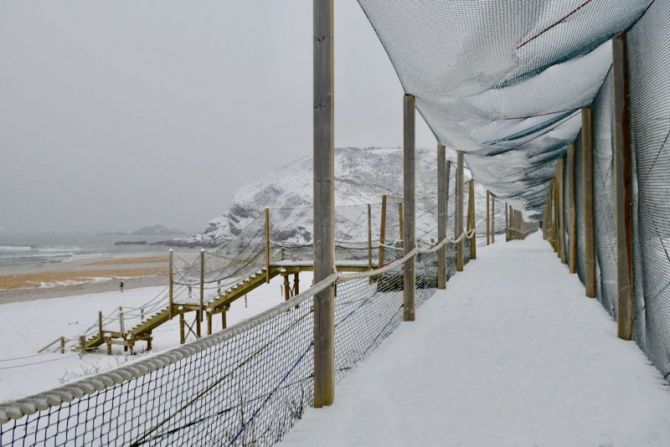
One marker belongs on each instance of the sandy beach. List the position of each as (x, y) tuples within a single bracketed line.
[(83, 277)]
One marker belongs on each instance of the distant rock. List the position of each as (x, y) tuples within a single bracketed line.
[(156, 230), (130, 243), (362, 177)]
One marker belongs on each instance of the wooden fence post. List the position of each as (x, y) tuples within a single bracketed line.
[(401, 222), (459, 212), (471, 219), (623, 179), (587, 187), (488, 218), (506, 222), (369, 237), (382, 232), (441, 216), (202, 283), (409, 236), (561, 210), (572, 211), (171, 285), (62, 344), (493, 219), (324, 201), (267, 245)]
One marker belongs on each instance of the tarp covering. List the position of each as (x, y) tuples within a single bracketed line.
[(502, 80)]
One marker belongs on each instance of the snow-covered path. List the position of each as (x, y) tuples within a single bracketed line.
[(511, 354)]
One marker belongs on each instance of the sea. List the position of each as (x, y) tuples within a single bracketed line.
[(27, 251)]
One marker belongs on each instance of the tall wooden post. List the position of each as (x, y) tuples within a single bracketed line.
[(441, 216), (493, 219), (171, 284), (587, 187), (182, 329), (100, 331), (267, 245), (202, 283), (556, 211), (382, 232), (572, 211), (401, 223), (471, 219), (296, 283), (122, 323), (459, 212), (369, 237), (409, 236), (324, 203), (287, 287), (488, 218), (561, 209), (623, 179), (506, 222)]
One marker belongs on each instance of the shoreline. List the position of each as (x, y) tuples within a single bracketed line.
[(84, 277)]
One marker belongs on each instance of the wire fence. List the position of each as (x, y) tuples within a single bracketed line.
[(244, 386)]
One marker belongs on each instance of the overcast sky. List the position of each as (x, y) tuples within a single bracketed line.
[(115, 115)]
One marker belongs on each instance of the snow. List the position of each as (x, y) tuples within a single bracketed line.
[(511, 354), (26, 327)]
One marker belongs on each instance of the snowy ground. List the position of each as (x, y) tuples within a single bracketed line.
[(512, 354), (25, 327)]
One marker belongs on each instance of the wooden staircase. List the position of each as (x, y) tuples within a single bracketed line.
[(240, 289)]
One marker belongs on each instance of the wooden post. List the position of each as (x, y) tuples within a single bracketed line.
[(507, 222), (459, 212), (182, 334), (224, 320), (171, 284), (209, 323), (408, 233), (267, 245), (202, 284), (561, 209), (471, 219), (488, 218), (296, 284), (441, 216), (382, 232), (122, 324), (62, 344), (401, 223), (100, 325), (198, 324), (493, 219), (572, 211), (623, 175), (587, 187), (324, 198), (369, 237), (82, 344), (287, 287), (555, 208)]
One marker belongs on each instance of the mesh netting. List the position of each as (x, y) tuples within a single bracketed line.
[(649, 54), (503, 81)]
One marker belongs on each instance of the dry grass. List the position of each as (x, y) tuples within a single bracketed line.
[(32, 280)]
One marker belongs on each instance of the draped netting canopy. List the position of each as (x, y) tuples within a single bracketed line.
[(503, 81)]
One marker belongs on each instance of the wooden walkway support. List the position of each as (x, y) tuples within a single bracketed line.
[(488, 218), (459, 212), (369, 236), (587, 187), (202, 285), (442, 198), (267, 245), (572, 210), (493, 219), (471, 219), (324, 202), (171, 284), (382, 232), (409, 236), (623, 180)]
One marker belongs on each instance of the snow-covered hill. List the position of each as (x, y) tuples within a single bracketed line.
[(362, 177)]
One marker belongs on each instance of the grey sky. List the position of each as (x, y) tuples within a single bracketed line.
[(120, 114)]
